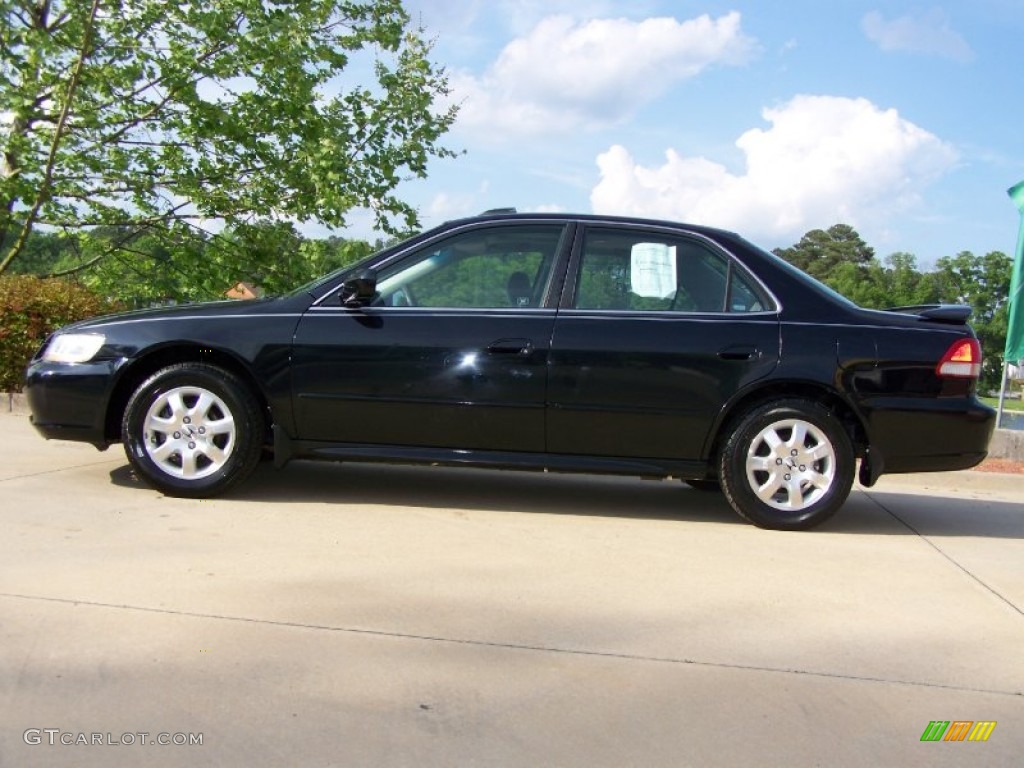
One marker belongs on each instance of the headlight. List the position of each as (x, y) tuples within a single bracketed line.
[(73, 347)]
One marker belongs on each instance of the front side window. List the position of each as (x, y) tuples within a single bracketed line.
[(491, 268), (636, 271)]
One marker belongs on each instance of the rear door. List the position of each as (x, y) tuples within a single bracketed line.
[(656, 331)]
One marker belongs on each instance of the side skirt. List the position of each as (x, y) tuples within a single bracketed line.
[(286, 449)]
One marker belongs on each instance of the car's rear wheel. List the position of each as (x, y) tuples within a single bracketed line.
[(192, 430), (787, 465)]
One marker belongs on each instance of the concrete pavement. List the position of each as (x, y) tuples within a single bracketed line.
[(402, 616)]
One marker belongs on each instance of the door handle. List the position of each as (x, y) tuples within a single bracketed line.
[(522, 347), (739, 352)]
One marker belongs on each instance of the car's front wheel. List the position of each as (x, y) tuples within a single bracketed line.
[(192, 430), (787, 465)]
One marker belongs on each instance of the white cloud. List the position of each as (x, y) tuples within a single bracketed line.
[(565, 76), (928, 33), (443, 207), (547, 208), (824, 160), (522, 15)]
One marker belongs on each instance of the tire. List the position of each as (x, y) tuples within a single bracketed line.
[(787, 465), (705, 485), (193, 430)]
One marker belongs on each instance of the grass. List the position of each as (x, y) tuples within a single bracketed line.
[(1008, 404)]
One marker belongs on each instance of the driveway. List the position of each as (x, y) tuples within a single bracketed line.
[(360, 615)]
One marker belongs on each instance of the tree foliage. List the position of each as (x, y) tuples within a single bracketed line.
[(179, 265), (820, 251), (149, 118)]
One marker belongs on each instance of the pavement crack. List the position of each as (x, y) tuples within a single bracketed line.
[(551, 649), (970, 574)]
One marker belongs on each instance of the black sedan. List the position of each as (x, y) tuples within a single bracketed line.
[(521, 341)]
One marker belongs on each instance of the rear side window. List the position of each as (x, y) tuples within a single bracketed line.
[(635, 271)]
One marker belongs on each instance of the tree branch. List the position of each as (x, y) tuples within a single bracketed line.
[(115, 245), (58, 134)]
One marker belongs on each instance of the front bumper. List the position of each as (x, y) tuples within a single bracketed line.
[(68, 401)]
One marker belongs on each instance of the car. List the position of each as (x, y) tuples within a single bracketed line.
[(577, 343)]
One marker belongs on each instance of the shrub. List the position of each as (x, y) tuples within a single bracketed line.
[(30, 309)]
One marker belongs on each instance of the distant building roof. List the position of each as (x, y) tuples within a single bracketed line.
[(244, 290)]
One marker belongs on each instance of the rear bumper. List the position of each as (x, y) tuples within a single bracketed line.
[(928, 435)]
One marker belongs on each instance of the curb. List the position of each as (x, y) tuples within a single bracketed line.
[(1007, 444)]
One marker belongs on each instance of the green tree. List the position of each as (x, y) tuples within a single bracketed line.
[(894, 282), (177, 265), (904, 284), (43, 252), (863, 284), (273, 256), (154, 266), (840, 258), (145, 115), (820, 251)]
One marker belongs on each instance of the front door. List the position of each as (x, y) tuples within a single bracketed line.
[(452, 353)]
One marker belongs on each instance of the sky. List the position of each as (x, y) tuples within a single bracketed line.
[(766, 117)]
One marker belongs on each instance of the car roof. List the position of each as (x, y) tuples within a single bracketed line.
[(510, 214)]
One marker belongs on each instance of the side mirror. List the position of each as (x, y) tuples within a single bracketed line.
[(358, 291)]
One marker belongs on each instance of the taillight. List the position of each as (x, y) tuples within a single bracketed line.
[(961, 361)]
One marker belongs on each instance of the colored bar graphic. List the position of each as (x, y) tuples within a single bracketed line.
[(982, 730), (958, 730)]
